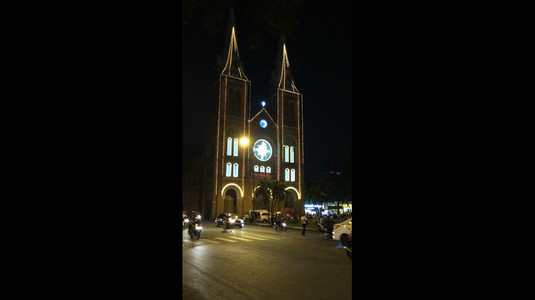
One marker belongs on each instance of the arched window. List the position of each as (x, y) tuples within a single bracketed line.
[(235, 170), (229, 146), (229, 169), (287, 174), (286, 153), (262, 169), (292, 154), (293, 175), (256, 168), (268, 169), (235, 147)]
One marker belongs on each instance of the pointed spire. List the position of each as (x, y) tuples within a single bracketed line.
[(233, 65), (285, 78)]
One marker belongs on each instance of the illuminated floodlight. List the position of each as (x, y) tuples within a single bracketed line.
[(263, 103)]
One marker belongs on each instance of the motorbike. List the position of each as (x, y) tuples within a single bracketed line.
[(349, 247), (195, 230), (327, 234), (185, 222), (277, 227), (229, 224)]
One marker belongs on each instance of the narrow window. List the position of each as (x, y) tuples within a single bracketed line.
[(229, 169), (235, 170), (229, 146), (286, 153), (293, 175), (268, 169), (292, 154), (262, 169), (256, 168), (287, 175), (235, 147)]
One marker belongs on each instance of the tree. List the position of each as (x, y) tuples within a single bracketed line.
[(272, 192), (264, 189), (278, 191), (323, 187)]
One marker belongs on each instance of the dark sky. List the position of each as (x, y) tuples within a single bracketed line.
[(320, 53)]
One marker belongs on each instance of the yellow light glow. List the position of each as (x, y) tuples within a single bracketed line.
[(233, 184), (244, 141), (292, 188)]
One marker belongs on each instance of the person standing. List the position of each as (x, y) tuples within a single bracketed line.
[(304, 223)]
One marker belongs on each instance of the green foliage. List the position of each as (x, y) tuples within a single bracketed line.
[(263, 189), (272, 192)]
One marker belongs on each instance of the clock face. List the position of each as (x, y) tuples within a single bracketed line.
[(262, 150)]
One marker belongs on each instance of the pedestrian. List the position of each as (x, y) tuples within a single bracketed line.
[(304, 223), (330, 226)]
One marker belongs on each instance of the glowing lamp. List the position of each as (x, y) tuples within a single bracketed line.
[(244, 141)]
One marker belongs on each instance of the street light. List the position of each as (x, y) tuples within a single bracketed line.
[(244, 141)]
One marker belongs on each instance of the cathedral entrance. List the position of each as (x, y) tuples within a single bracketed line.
[(230, 203), (289, 205)]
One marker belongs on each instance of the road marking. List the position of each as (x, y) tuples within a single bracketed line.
[(239, 238), (209, 241), (226, 240), (256, 238)]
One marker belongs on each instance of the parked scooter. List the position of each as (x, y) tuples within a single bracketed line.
[(349, 247)]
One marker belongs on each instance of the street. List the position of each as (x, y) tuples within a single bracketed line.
[(257, 262)]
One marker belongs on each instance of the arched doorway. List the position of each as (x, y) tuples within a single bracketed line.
[(289, 204), (230, 203)]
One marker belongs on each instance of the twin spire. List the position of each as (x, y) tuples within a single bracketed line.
[(234, 65), (285, 78)]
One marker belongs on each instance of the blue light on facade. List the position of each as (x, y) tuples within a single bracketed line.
[(263, 123)]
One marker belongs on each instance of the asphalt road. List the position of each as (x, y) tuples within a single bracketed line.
[(259, 263)]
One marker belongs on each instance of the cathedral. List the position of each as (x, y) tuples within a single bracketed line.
[(245, 146)]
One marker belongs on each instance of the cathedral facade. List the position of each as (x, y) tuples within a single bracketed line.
[(245, 146)]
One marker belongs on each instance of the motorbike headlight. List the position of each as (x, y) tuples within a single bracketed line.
[(198, 227), (186, 221), (283, 224), (199, 217), (231, 220)]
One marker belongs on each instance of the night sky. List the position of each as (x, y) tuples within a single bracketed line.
[(320, 54)]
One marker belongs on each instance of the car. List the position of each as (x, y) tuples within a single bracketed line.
[(237, 221), (264, 217), (245, 217), (342, 231)]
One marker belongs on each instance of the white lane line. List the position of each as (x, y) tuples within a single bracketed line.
[(269, 237), (256, 238), (209, 241), (239, 238), (226, 240)]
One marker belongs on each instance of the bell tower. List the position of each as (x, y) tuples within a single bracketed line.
[(289, 117), (230, 96)]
